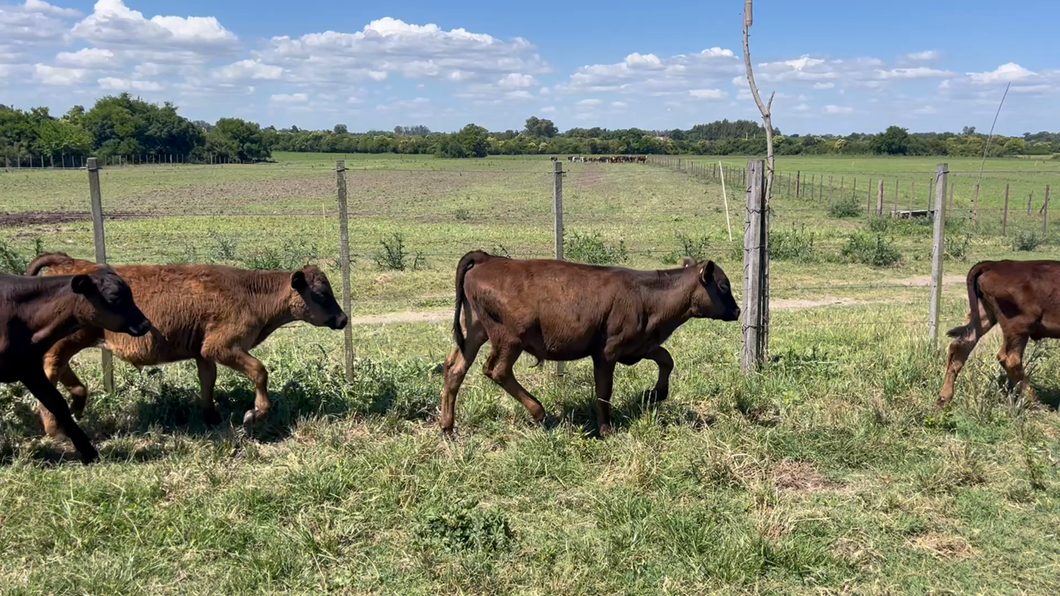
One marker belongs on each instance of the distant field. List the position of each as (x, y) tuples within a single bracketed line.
[(826, 473)]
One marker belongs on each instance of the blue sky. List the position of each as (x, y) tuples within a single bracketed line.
[(836, 66)]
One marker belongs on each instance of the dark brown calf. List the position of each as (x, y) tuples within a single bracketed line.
[(1023, 297), (554, 310), (207, 313), (37, 313)]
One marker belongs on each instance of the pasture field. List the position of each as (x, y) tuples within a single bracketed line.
[(828, 472)]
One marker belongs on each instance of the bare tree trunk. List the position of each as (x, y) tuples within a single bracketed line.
[(765, 108)]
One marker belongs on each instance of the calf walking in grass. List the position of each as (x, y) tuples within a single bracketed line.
[(35, 314), (555, 310), (1023, 298), (207, 313)]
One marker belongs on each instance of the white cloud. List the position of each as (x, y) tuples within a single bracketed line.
[(377, 75), (406, 104), (248, 69), (919, 72), (619, 104), (649, 60), (1031, 89), (33, 23), (516, 80), (87, 58), (113, 22), (59, 76), (801, 108), (1003, 73), (651, 74), (548, 110), (116, 84), (925, 55), (459, 76), (824, 85), (717, 52), (944, 84), (798, 64), (833, 109), (520, 94), (289, 98), (588, 103), (44, 7), (707, 93), (925, 111)]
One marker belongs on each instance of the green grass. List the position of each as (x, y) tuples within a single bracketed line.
[(828, 472)]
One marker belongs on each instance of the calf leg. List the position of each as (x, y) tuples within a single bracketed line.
[(456, 366), (499, 369), (1011, 358), (41, 388), (207, 381), (241, 361), (604, 376), (960, 348), (666, 366)]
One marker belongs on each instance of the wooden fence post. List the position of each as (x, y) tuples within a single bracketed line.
[(868, 198), (1030, 202), (813, 182), (879, 200), (842, 181), (756, 279), (344, 263), (557, 210), (912, 197), (1045, 215), (96, 197), (931, 194), (975, 206), (830, 192), (895, 196), (1004, 216), (854, 193), (938, 252), (953, 185), (798, 184)]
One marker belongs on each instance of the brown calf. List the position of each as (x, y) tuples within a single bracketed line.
[(37, 313), (1023, 297), (208, 313), (554, 310)]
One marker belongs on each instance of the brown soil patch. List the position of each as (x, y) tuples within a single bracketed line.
[(924, 281), (827, 301), (800, 476), (48, 218), (403, 317), (944, 546)]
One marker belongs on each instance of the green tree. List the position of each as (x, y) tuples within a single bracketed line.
[(340, 129), (238, 139), (475, 140), (893, 141), (538, 128)]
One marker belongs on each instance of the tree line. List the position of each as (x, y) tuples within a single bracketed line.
[(134, 129)]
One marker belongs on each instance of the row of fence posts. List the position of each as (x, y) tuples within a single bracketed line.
[(755, 323), (78, 162)]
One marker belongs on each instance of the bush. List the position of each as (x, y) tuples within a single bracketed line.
[(14, 261), (223, 250), (869, 249), (792, 245), (463, 527), (593, 250), (1026, 241), (394, 256), (689, 247), (463, 214), (293, 254), (957, 247), (845, 207)]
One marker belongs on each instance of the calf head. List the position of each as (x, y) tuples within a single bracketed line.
[(316, 302), (712, 298), (112, 302)]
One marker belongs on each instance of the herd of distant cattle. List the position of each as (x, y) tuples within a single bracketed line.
[(552, 310), (606, 159)]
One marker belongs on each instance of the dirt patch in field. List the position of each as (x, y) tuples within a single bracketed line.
[(803, 304), (403, 317), (924, 281), (800, 476), (944, 546), (51, 218)]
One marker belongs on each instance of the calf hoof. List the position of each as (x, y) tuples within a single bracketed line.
[(605, 431), (88, 455), (253, 416), (211, 417), (940, 404)]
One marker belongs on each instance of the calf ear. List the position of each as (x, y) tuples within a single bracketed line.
[(688, 262), (298, 280), (83, 284), (707, 274)]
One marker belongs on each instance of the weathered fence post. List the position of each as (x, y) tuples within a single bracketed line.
[(879, 200), (344, 263), (789, 186), (937, 253), (975, 206), (1004, 216), (830, 191), (1045, 215), (868, 197), (1030, 202), (931, 194), (912, 197), (557, 210), (755, 271), (798, 184), (953, 185), (842, 181), (895, 196), (101, 256)]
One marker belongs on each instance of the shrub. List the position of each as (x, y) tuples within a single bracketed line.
[(292, 254), (592, 249), (14, 261), (462, 527), (463, 214), (1025, 241), (869, 249), (792, 245), (957, 247), (394, 256), (223, 250), (688, 247), (845, 207)]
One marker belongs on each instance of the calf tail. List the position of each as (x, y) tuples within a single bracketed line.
[(974, 324), (48, 259), (466, 263)]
